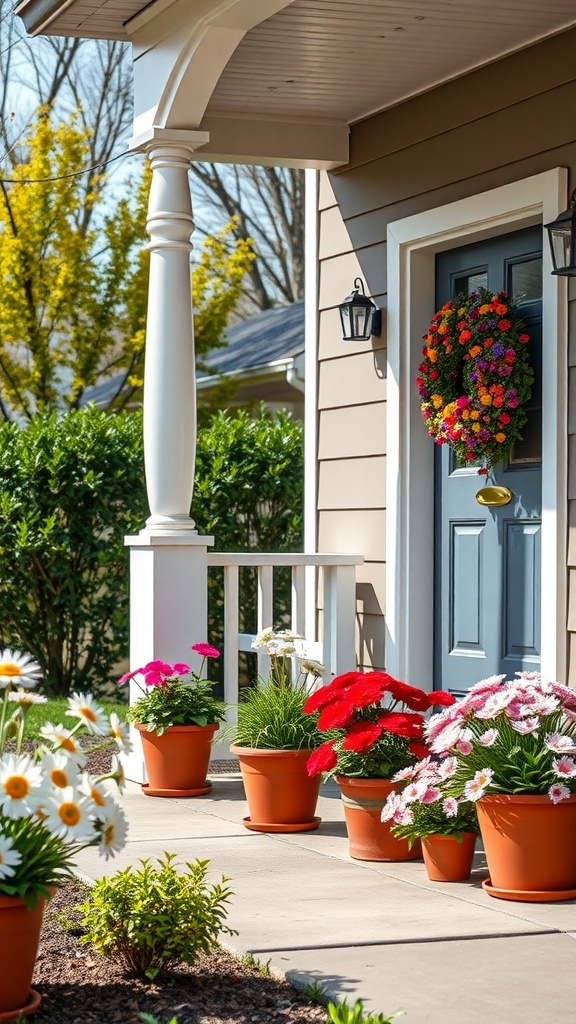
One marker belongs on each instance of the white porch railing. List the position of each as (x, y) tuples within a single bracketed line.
[(335, 648)]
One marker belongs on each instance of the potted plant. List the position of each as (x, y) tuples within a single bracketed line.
[(274, 739), (370, 741), (446, 827), (514, 746), (176, 717), (50, 809)]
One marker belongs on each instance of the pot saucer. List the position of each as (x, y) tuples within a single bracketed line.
[(301, 826), (32, 1004), (149, 791), (528, 895)]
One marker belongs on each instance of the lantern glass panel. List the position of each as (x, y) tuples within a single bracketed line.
[(562, 246)]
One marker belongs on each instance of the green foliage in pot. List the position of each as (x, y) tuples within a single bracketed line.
[(175, 695), (156, 918), (271, 715)]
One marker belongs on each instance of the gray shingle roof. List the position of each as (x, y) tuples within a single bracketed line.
[(277, 333)]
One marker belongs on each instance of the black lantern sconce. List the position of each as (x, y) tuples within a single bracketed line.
[(360, 317), (562, 235)]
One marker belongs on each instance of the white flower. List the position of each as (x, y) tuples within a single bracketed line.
[(312, 668), (496, 703), (488, 738), (405, 774), (84, 707), (415, 791), (113, 829), (559, 743), (9, 857), (95, 792), (475, 787), (60, 770), (62, 739), (67, 814), (117, 772), (447, 767), (281, 648), (525, 726), (25, 697), (262, 638), (120, 733), (564, 767), (18, 669), (546, 705), (21, 791), (450, 807), (558, 792)]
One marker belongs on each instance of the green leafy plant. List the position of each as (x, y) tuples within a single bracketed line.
[(169, 700), (261, 966), (341, 1013), (147, 1018), (315, 991), (156, 918), (424, 808), (271, 716)]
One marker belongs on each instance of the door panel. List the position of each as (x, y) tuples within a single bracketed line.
[(487, 560)]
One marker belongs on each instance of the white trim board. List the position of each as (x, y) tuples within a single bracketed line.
[(412, 246)]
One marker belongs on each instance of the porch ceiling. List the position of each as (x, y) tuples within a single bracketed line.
[(328, 61)]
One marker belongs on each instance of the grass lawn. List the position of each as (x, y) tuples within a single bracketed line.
[(55, 711)]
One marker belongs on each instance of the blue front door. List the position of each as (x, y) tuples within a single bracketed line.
[(487, 559)]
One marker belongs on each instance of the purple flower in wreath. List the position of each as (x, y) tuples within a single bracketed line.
[(474, 313), (498, 350), (473, 377), (483, 326)]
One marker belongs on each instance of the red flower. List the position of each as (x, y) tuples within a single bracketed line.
[(504, 325), (322, 760), (414, 698), (402, 724), (364, 693), (336, 715), (361, 736), (206, 651), (441, 697), (420, 750), (320, 699)]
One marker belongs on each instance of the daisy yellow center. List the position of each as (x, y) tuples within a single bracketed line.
[(1, 857), (88, 713), (68, 744), (59, 778), (69, 814), (109, 835), (8, 668), (97, 797), (17, 787)]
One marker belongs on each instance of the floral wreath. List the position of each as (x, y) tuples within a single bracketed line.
[(476, 377)]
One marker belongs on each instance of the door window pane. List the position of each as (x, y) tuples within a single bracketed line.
[(471, 282), (525, 280)]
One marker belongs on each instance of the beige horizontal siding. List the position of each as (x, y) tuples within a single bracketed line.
[(504, 122), (330, 343)]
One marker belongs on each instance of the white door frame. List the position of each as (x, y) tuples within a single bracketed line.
[(412, 246)]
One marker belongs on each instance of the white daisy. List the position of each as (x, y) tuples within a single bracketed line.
[(67, 815), (117, 772), (312, 668), (120, 733), (25, 698), (18, 669), (488, 738), (113, 830), (9, 857), (84, 707), (95, 791), (62, 739), (60, 770), (262, 638), (475, 788), (21, 789), (560, 743), (447, 767), (450, 807)]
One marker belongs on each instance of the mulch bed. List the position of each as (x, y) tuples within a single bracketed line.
[(78, 986)]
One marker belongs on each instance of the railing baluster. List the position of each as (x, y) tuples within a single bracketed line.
[(231, 625), (265, 612), (299, 600)]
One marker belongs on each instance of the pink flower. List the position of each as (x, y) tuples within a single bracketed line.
[(463, 747), (488, 738), (431, 795), (564, 766), (450, 807), (525, 726), (447, 767), (558, 792), (395, 810), (476, 787), (180, 669), (206, 651), (128, 675)]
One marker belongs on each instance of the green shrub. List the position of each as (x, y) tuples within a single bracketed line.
[(154, 919), (70, 489), (272, 718), (344, 1014)]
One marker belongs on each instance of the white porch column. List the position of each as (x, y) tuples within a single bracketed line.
[(168, 559)]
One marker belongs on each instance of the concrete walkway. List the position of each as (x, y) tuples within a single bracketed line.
[(444, 953)]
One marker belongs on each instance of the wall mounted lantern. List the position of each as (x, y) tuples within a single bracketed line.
[(360, 317), (562, 235)]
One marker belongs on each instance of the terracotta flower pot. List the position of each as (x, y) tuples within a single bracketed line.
[(281, 795), (177, 761), (530, 846), (370, 838), (19, 937), (447, 860)]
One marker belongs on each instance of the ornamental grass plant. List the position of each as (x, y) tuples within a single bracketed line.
[(50, 807), (514, 736), (374, 723), (271, 714), (175, 695)]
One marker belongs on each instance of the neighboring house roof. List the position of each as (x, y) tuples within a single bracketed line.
[(265, 347)]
